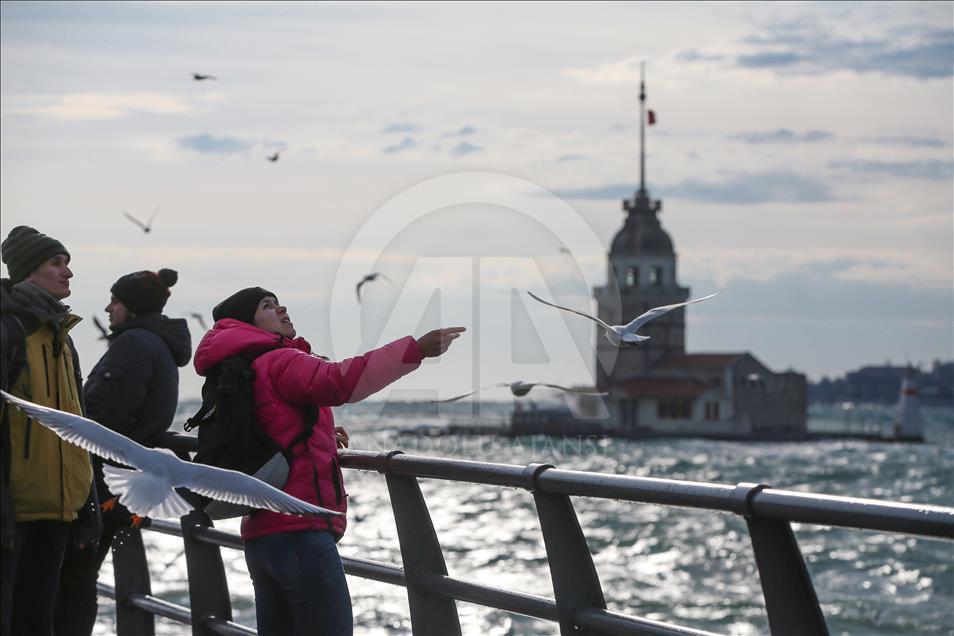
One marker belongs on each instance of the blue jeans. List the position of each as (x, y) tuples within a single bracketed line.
[(300, 585)]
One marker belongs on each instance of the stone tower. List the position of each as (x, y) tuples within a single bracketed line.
[(641, 274)]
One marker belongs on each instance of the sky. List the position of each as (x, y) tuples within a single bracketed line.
[(802, 153)]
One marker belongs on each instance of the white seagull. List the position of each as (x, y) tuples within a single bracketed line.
[(519, 389), (148, 491), (625, 335)]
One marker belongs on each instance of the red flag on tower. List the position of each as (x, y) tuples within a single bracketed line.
[(652, 117)]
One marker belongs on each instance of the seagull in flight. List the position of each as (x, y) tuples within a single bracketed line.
[(367, 279), (148, 490), (200, 76), (102, 329), (275, 156), (519, 389), (625, 335), (146, 227), (198, 317)]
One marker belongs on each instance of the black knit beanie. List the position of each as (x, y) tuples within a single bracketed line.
[(241, 305), (25, 249), (145, 292)]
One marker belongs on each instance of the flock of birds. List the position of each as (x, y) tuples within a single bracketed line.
[(149, 489)]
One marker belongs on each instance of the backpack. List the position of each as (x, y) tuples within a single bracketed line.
[(230, 437)]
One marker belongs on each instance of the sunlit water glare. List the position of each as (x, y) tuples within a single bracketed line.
[(679, 565)]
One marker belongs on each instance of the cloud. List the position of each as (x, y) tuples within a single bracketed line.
[(930, 169), (465, 148), (768, 59), (621, 71), (781, 136), (463, 132), (401, 127), (738, 189), (611, 191), (819, 290), (842, 263), (210, 144), (96, 106), (752, 188), (693, 55), (805, 48), (566, 158), (405, 144), (907, 140)]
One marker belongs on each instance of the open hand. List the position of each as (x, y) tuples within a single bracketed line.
[(435, 343)]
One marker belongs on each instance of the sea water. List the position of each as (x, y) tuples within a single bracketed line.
[(679, 565)]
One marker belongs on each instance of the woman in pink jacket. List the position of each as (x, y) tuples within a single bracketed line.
[(299, 582)]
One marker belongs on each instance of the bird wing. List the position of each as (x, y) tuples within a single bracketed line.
[(382, 276), (85, 433), (134, 219), (594, 319), (100, 327), (461, 397), (569, 390), (238, 488), (659, 311), (155, 212), (357, 288), (200, 320)]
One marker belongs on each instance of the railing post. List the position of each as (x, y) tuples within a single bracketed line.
[(131, 575), (208, 587), (421, 553), (790, 599), (575, 581)]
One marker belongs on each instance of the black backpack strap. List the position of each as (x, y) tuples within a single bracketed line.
[(311, 418), (209, 391), (13, 348), (13, 345)]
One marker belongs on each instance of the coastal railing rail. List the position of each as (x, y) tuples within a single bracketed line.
[(579, 605)]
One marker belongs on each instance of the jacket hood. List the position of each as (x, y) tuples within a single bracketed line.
[(173, 331), (229, 337)]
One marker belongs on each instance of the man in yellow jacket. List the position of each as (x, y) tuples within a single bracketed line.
[(46, 481)]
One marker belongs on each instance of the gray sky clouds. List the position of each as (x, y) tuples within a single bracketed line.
[(803, 153)]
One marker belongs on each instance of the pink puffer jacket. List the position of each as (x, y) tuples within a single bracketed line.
[(286, 380)]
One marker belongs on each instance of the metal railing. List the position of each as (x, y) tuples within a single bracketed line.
[(579, 605)]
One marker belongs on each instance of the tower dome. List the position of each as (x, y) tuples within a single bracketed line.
[(641, 234)]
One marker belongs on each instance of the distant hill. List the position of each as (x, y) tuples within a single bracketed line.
[(883, 384)]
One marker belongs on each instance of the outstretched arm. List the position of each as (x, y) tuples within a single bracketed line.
[(303, 379)]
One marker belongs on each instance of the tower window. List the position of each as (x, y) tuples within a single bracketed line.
[(655, 276), (632, 277)]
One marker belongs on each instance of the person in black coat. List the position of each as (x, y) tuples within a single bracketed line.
[(133, 390)]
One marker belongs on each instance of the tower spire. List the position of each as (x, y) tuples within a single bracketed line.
[(642, 128)]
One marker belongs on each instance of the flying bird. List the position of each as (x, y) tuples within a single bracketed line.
[(199, 77), (367, 279), (625, 335), (275, 156), (148, 490), (146, 227), (102, 329), (198, 317), (519, 389)]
